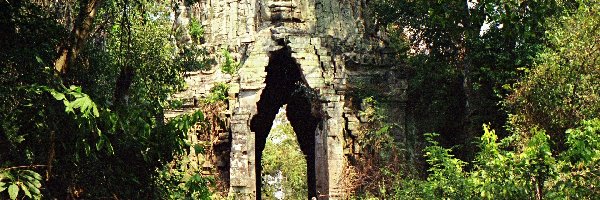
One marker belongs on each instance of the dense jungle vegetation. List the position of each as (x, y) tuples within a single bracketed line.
[(504, 102)]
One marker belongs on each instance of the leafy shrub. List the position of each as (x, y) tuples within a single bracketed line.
[(175, 104), (196, 30), (385, 160), (180, 180), (193, 58), (503, 172), (562, 88), (579, 167), (15, 180), (94, 142), (219, 92), (446, 180), (230, 66)]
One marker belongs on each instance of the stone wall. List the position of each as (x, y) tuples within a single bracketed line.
[(338, 51)]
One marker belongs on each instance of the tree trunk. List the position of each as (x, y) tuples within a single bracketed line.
[(123, 85), (472, 25), (127, 73), (468, 128), (80, 33)]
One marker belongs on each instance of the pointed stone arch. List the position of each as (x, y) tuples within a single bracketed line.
[(286, 85)]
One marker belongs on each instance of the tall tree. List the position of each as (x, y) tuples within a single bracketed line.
[(81, 32), (464, 52), (87, 149), (563, 87)]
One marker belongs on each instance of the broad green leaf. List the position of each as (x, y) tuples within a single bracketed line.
[(68, 107), (27, 177), (33, 174), (95, 110), (36, 183), (25, 190), (88, 149), (79, 103), (13, 191), (33, 187), (57, 95), (147, 129), (77, 95), (109, 148)]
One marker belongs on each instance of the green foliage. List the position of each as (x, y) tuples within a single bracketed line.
[(193, 58), (92, 144), (180, 180), (283, 159), (499, 172), (230, 66), (86, 117), (196, 30), (15, 180), (492, 175), (370, 109), (454, 54), (175, 104), (219, 92), (562, 87), (446, 179), (386, 159), (584, 143), (183, 123), (460, 55), (523, 166), (191, 55), (579, 165)]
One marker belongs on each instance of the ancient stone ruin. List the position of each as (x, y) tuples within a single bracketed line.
[(311, 55)]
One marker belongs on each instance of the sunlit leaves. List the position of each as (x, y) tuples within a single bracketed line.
[(502, 172), (229, 66), (16, 180), (562, 88), (87, 113), (13, 191), (446, 176), (219, 92), (579, 165), (284, 165), (196, 30), (181, 125)]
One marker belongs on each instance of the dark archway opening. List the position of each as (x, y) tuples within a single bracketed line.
[(286, 85)]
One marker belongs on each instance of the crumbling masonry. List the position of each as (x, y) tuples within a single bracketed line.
[(309, 54)]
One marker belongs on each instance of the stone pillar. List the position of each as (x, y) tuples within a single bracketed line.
[(240, 159), (334, 126), (250, 83)]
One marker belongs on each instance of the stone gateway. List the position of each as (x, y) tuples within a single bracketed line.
[(307, 54)]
